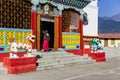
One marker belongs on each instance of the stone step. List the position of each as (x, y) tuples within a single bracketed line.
[(63, 57), (2, 69), (62, 64), (60, 59), (49, 53), (55, 59)]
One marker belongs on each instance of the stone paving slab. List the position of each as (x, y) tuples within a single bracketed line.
[(2, 69), (94, 71), (110, 56)]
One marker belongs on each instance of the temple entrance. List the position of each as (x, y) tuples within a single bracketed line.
[(47, 24), (50, 23)]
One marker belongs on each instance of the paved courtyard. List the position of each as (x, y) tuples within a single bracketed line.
[(109, 70)]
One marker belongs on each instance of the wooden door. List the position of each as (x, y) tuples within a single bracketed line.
[(38, 33), (106, 42), (56, 33)]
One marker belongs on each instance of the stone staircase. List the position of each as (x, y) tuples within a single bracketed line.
[(2, 69), (57, 59)]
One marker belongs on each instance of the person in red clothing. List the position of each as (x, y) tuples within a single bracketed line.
[(46, 38)]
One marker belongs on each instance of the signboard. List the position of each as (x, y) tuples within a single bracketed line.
[(70, 40)]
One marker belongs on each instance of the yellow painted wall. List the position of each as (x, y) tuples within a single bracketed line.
[(102, 41), (109, 43), (117, 42)]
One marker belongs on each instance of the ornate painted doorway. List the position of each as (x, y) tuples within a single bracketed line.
[(50, 23)]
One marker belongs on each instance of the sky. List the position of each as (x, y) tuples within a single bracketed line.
[(108, 7)]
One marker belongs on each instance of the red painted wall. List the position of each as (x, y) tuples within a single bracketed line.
[(33, 26), (81, 35), (60, 31)]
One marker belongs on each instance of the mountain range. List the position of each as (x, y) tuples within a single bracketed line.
[(109, 24)]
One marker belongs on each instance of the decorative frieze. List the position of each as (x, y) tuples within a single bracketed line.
[(48, 9)]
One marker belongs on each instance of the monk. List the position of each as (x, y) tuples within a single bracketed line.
[(46, 38)]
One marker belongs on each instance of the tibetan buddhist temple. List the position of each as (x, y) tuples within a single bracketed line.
[(71, 23)]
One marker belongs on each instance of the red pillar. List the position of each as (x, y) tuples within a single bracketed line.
[(60, 31), (33, 26), (81, 36)]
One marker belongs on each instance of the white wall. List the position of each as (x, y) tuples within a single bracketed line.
[(92, 27)]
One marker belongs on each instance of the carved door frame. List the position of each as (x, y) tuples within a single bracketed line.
[(38, 28)]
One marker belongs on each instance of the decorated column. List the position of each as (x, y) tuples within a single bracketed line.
[(60, 7), (81, 36), (80, 30), (33, 19)]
